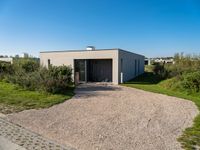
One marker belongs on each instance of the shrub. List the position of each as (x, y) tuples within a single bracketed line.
[(58, 79), (183, 64), (191, 81), (26, 64), (159, 69), (5, 69), (29, 81), (52, 80), (27, 73)]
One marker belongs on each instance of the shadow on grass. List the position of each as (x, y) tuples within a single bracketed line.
[(146, 78), (69, 91)]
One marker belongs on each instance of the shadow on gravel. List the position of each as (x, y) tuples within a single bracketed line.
[(95, 88), (92, 90), (87, 90)]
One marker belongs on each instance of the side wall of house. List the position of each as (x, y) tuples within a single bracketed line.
[(67, 58), (130, 64)]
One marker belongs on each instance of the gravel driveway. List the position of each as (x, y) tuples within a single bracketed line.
[(112, 117)]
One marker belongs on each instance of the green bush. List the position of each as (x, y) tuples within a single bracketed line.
[(26, 64), (191, 81), (183, 64), (29, 81), (159, 69), (58, 79), (183, 75), (5, 69), (52, 80)]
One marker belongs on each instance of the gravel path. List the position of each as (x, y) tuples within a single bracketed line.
[(112, 117)]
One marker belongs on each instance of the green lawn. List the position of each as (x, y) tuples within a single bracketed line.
[(14, 99), (190, 138)]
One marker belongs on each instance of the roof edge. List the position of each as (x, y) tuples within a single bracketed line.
[(84, 50), (130, 52), (78, 50)]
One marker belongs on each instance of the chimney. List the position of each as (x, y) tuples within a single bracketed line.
[(90, 48)]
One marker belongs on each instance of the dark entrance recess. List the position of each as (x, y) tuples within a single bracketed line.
[(99, 70), (94, 70)]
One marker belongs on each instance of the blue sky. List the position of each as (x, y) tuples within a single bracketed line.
[(149, 27)]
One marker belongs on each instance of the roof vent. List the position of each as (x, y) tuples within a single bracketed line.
[(90, 48)]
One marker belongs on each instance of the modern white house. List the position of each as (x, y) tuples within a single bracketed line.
[(97, 65)]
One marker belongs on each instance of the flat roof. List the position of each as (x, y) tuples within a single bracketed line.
[(55, 51), (83, 50)]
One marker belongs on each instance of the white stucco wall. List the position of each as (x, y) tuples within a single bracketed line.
[(127, 67), (67, 58)]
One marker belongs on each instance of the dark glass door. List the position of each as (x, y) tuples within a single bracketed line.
[(80, 68)]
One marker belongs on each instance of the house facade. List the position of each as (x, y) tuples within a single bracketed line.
[(97, 65)]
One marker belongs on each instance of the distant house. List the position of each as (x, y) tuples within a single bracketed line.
[(147, 61), (24, 55), (6, 59), (97, 65), (164, 60)]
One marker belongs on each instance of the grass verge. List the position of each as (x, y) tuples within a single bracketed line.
[(190, 139), (15, 99)]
